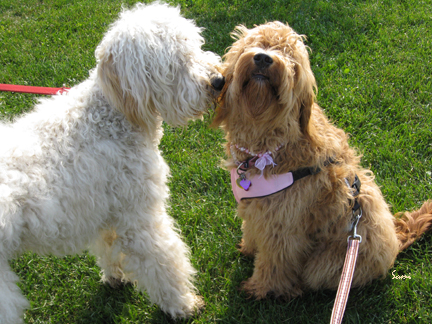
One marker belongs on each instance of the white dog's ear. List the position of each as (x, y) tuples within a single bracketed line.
[(120, 93)]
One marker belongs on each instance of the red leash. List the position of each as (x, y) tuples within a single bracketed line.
[(34, 90)]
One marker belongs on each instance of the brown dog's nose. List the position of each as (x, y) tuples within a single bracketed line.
[(262, 60)]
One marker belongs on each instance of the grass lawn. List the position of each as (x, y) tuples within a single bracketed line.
[(372, 64)]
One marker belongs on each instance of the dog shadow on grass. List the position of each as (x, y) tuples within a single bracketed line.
[(120, 305), (68, 290), (402, 294)]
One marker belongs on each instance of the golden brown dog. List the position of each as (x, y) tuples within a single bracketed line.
[(298, 235)]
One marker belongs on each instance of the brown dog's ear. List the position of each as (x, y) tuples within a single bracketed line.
[(305, 114), (227, 70), (305, 88), (307, 126)]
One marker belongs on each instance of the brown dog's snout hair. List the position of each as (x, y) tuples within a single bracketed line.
[(263, 60)]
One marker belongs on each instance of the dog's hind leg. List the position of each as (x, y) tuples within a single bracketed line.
[(12, 302), (156, 260), (324, 266)]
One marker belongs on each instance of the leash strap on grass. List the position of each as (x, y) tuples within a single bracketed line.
[(345, 281), (34, 90)]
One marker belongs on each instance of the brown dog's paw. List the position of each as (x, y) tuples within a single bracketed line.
[(254, 290), (258, 290), (247, 251)]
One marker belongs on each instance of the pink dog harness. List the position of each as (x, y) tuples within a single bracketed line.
[(259, 186), (245, 187)]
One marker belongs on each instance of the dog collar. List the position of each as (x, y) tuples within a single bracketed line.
[(246, 150), (259, 160)]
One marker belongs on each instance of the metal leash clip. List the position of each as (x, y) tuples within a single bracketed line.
[(354, 226)]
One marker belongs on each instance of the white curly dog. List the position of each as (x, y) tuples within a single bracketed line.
[(83, 169)]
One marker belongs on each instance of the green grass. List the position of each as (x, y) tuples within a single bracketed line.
[(372, 64)]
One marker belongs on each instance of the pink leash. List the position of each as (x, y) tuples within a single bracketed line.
[(347, 274), (34, 90), (345, 282)]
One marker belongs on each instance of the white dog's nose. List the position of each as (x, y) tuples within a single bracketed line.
[(217, 81)]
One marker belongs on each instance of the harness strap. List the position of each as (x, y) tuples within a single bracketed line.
[(304, 172)]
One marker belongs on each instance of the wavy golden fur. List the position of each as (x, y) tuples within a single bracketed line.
[(299, 236)]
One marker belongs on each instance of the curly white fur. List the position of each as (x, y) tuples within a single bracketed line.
[(83, 169)]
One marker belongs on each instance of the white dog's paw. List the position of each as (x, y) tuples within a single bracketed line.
[(191, 305), (112, 282)]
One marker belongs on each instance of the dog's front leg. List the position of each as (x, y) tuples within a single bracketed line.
[(247, 246), (156, 260), (12, 302), (278, 263), (108, 250)]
